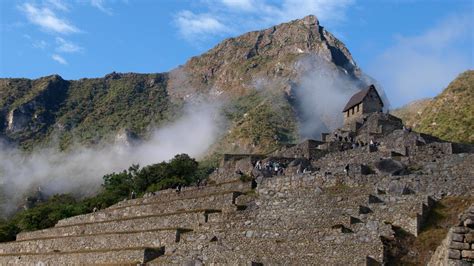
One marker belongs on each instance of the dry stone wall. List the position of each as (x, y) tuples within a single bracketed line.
[(458, 247)]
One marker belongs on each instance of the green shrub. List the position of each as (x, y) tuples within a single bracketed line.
[(181, 170)]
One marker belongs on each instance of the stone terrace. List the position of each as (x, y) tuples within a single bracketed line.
[(283, 221), (133, 231), (322, 216)]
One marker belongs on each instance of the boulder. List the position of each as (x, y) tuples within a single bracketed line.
[(390, 166)]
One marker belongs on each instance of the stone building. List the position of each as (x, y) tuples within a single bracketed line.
[(308, 149), (364, 102)]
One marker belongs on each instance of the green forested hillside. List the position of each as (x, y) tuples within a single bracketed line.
[(450, 115), (84, 111)]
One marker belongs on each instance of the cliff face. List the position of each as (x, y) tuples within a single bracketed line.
[(256, 73), (87, 110), (32, 111), (450, 115)]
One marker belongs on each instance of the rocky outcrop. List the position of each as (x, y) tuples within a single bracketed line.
[(126, 137), (236, 64), (390, 166), (36, 111)]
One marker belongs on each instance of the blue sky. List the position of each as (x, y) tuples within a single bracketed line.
[(413, 48)]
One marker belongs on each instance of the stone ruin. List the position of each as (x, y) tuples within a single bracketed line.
[(358, 186), (458, 246)]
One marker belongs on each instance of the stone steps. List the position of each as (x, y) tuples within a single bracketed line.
[(184, 219), (123, 256), (223, 200), (107, 240), (190, 192)]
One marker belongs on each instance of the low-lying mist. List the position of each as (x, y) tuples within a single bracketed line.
[(80, 171), (322, 93)]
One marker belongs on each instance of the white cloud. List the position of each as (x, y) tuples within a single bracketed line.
[(79, 171), (100, 4), (237, 16), (240, 4), (40, 44), (59, 59), (47, 19), (419, 66), (328, 11), (67, 46), (58, 4), (198, 25)]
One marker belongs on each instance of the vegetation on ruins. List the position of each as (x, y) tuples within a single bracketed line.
[(443, 215), (181, 170)]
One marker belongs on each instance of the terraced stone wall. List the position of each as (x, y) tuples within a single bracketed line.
[(458, 246)]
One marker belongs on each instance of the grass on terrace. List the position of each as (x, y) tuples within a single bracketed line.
[(443, 216)]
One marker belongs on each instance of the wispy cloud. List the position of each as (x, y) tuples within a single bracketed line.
[(417, 66), (198, 25), (236, 16), (59, 59), (58, 4), (47, 20), (329, 11), (67, 46), (246, 5), (40, 44), (100, 4)]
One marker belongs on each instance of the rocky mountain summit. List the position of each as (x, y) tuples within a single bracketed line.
[(256, 74), (236, 63)]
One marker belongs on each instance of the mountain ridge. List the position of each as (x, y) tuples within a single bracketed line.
[(257, 66)]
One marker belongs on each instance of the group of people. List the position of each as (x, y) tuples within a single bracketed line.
[(356, 144), (273, 167), (348, 139), (345, 139)]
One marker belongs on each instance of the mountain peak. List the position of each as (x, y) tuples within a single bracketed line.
[(232, 65), (273, 60), (309, 20)]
